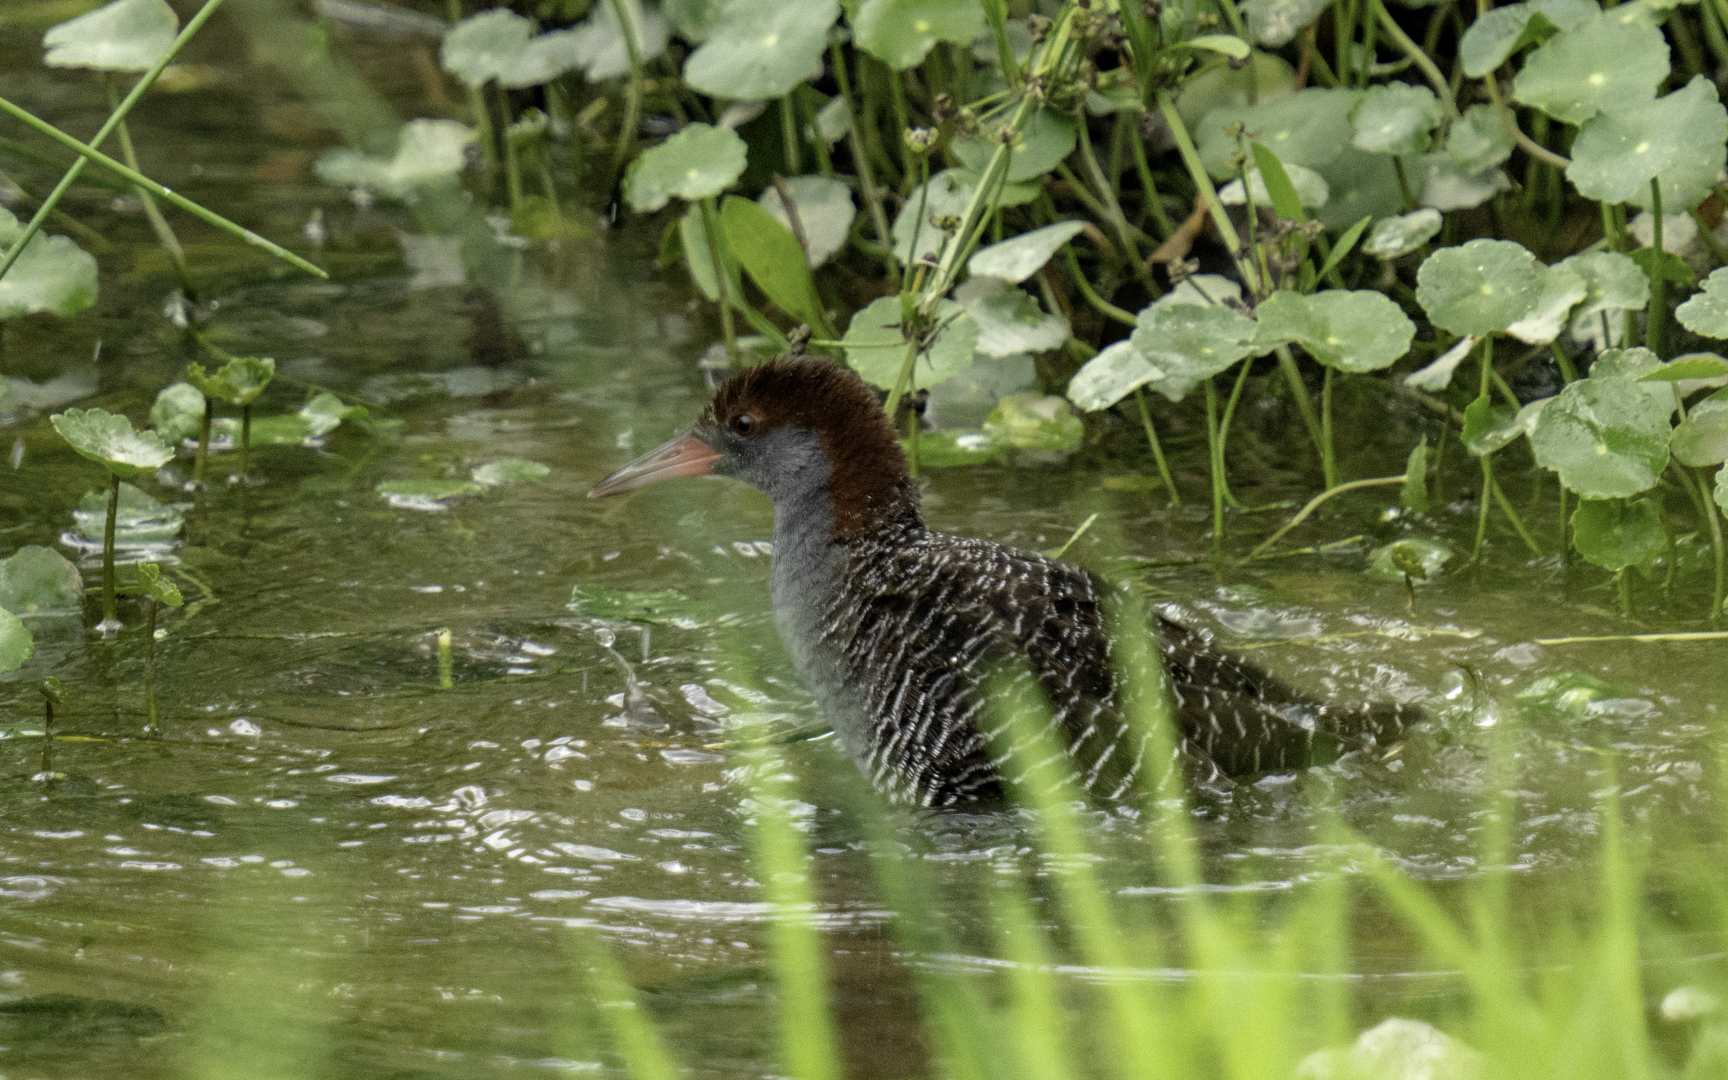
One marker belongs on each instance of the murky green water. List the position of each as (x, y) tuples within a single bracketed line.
[(330, 863)]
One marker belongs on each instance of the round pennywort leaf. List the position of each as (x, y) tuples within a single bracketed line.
[(109, 440), (1706, 312), (762, 48), (1480, 287), (1352, 331), (127, 35), (698, 162), (1607, 438)]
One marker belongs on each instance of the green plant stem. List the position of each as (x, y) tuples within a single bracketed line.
[(446, 660), (245, 439), (1690, 635), (1299, 392), (47, 740), (1157, 450), (1655, 324), (110, 607), (1517, 522), (1328, 463), (728, 332), (1314, 504), (996, 14), (1224, 427), (1113, 210), (1487, 501), (1510, 123), (1104, 307), (903, 379), (86, 153), (1415, 53), (789, 135), (902, 119), (861, 163), (1217, 465), (115, 117), (1202, 181), (632, 91), (150, 727), (1714, 514), (203, 442), (158, 224), (1567, 371), (1565, 541), (1623, 586), (1148, 186), (807, 124)]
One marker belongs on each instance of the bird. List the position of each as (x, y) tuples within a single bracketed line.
[(901, 632)]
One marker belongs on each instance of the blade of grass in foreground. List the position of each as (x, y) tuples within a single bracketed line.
[(1036, 1016), (633, 1034)]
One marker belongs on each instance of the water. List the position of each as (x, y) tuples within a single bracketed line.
[(329, 862)]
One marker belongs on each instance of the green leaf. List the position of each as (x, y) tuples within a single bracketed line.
[(1561, 289), (1601, 63), (1310, 128), (1721, 490), (1277, 22), (664, 607), (876, 348), (694, 19), (1363, 185), (1046, 140), (1017, 259), (325, 412), (1690, 366), (1414, 494), (510, 471), (499, 44), (53, 275), (948, 192), (825, 211), (699, 258), (598, 45), (945, 449), (1396, 236), (157, 587), (1700, 440), (286, 429), (110, 441), (1224, 44), (127, 35), (770, 254), (1488, 427), (1612, 282), (900, 33), (178, 412), (248, 376), (1620, 150), (1287, 196), (211, 385), (16, 644), (1606, 437), (1112, 375), (1480, 287), (426, 494), (1395, 118), (1662, 266), (1571, 693), (1346, 243), (1304, 186), (1009, 320), (1706, 312), (1478, 139), (762, 48), (1616, 533), (1630, 364), (427, 152), (1190, 342), (696, 163), (39, 581), (1428, 554), (1447, 187), (1353, 331), (1496, 36), (1035, 422), (139, 520)]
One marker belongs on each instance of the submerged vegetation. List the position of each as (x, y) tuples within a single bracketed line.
[(1317, 245)]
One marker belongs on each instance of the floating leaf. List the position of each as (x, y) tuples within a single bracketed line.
[(945, 449), (1606, 437), (1117, 371), (178, 412), (1009, 320), (1311, 188), (1277, 22), (1035, 422), (1429, 554), (1700, 440), (287, 429), (1395, 118), (1190, 343), (1561, 289), (900, 33), (825, 212), (1352, 331), (1620, 150), (1706, 312), (16, 644), (247, 376), (876, 348), (127, 35), (1617, 533), (762, 48), (326, 411), (696, 163), (1478, 140), (510, 471), (770, 254), (1570, 692), (1601, 63), (1310, 128), (598, 45), (110, 441), (1480, 287), (664, 607), (426, 494), (499, 44), (53, 274), (157, 587), (40, 581), (1018, 259), (1046, 139), (139, 520), (427, 152), (1395, 236)]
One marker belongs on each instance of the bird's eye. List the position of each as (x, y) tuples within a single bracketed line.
[(744, 424)]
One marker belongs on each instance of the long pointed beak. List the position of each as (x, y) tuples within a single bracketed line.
[(684, 456)]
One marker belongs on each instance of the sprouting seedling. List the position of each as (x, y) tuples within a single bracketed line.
[(161, 591), (109, 440), (53, 693), (212, 387), (1408, 560), (239, 381)]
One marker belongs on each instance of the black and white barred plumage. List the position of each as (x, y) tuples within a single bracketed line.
[(901, 631)]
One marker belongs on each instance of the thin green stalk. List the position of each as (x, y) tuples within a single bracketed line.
[(996, 14), (1299, 393), (789, 135), (1567, 371), (1713, 35), (1714, 514), (1415, 53), (1314, 504), (203, 443), (902, 118), (1623, 586), (1105, 307), (110, 607), (1202, 181), (1233, 17), (150, 726), (1328, 463), (1224, 425), (1487, 501), (728, 332), (1117, 219), (632, 90), (245, 438), (158, 224), (118, 114), (1565, 541), (1154, 204), (86, 153), (1655, 325), (807, 124), (1217, 465), (512, 162), (1517, 522), (1510, 123), (861, 164), (1157, 450)]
